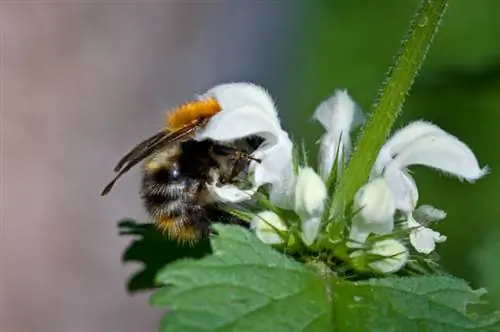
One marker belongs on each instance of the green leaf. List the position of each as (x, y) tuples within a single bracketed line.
[(426, 303), (248, 286), (153, 250), (244, 286)]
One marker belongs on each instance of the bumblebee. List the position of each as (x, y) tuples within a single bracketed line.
[(177, 168)]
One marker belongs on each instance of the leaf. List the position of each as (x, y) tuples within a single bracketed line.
[(247, 286), (154, 250), (426, 303), (244, 286)]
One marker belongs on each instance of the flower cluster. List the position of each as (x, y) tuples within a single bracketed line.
[(385, 218)]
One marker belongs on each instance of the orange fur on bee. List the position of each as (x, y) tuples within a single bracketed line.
[(177, 231), (187, 114)]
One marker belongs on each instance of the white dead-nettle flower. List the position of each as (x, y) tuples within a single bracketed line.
[(310, 197), (268, 227), (419, 143), (338, 115), (422, 143), (374, 208), (248, 110)]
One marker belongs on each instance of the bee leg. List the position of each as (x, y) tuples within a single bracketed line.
[(233, 153), (239, 157)]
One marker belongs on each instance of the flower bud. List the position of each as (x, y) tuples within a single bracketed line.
[(375, 201), (268, 227), (386, 256), (310, 230), (395, 256), (310, 193), (374, 205)]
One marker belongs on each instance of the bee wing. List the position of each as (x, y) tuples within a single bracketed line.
[(145, 149), (148, 143)]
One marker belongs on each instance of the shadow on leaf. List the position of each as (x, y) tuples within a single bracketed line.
[(154, 250)]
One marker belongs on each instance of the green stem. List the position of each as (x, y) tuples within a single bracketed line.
[(390, 100)]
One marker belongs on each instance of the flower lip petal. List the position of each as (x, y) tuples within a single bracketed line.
[(424, 239), (230, 193)]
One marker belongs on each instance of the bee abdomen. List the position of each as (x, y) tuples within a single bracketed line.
[(188, 228), (166, 207)]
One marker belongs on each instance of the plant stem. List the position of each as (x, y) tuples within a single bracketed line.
[(390, 99)]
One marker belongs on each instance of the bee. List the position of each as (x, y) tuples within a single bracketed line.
[(177, 169)]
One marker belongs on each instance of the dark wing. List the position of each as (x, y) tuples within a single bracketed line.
[(145, 149), (141, 147)]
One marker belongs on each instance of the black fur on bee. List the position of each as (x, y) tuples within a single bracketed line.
[(174, 190)]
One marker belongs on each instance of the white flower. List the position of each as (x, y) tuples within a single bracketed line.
[(424, 239), (338, 115), (310, 196), (248, 110), (394, 256), (422, 143), (268, 227), (419, 143), (374, 206)]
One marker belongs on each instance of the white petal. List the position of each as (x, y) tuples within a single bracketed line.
[(338, 114), (424, 239), (401, 139), (231, 193), (395, 253), (236, 95), (310, 230), (406, 135), (266, 225), (238, 123), (442, 152), (276, 161), (248, 110), (282, 192), (428, 213), (310, 193), (403, 188)]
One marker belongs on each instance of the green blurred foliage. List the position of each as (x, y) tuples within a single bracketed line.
[(350, 44), (153, 250)]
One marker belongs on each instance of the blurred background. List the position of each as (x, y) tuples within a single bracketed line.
[(82, 82)]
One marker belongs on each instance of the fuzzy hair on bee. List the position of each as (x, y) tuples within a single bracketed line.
[(176, 170), (174, 190)]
